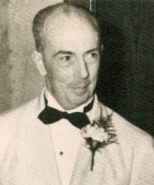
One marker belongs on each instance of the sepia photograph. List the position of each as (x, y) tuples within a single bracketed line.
[(77, 92)]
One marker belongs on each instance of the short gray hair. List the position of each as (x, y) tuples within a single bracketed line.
[(66, 9)]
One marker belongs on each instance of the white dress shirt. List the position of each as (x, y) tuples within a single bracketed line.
[(66, 140)]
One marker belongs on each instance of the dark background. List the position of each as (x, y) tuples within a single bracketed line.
[(126, 80)]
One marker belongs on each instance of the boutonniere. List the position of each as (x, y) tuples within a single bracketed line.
[(98, 134)]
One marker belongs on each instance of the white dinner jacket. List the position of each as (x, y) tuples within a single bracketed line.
[(27, 156)]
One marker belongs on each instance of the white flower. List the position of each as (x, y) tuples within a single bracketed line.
[(98, 134), (95, 132)]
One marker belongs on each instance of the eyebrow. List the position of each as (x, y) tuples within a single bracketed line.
[(91, 50), (63, 52), (71, 53)]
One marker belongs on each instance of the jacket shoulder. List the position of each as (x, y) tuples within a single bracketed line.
[(12, 122), (128, 132), (8, 117)]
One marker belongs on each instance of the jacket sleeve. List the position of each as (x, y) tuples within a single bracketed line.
[(142, 171)]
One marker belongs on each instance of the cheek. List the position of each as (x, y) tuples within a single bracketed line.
[(60, 75), (94, 71)]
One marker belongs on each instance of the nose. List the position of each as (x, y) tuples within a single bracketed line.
[(83, 69)]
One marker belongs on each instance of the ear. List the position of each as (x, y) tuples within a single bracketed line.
[(38, 61), (102, 47)]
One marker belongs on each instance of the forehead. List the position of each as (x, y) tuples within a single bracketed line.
[(69, 30)]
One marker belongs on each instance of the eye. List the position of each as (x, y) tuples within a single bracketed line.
[(65, 60), (92, 57)]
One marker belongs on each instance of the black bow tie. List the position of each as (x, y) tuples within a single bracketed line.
[(50, 115)]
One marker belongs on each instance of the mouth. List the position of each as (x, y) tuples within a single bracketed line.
[(78, 86), (80, 89)]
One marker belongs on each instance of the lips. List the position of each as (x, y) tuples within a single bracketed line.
[(80, 86), (79, 90)]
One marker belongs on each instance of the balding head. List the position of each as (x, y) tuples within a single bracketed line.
[(61, 13), (67, 43)]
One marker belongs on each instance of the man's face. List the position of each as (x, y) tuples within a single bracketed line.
[(71, 57)]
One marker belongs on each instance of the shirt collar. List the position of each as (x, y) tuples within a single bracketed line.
[(93, 114)]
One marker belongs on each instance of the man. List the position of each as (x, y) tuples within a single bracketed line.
[(41, 142)]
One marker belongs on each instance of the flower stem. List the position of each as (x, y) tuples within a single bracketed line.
[(92, 160)]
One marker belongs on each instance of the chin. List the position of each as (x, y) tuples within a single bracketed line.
[(80, 100)]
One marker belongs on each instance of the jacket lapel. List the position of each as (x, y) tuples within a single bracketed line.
[(82, 173), (30, 157), (40, 155), (109, 165)]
